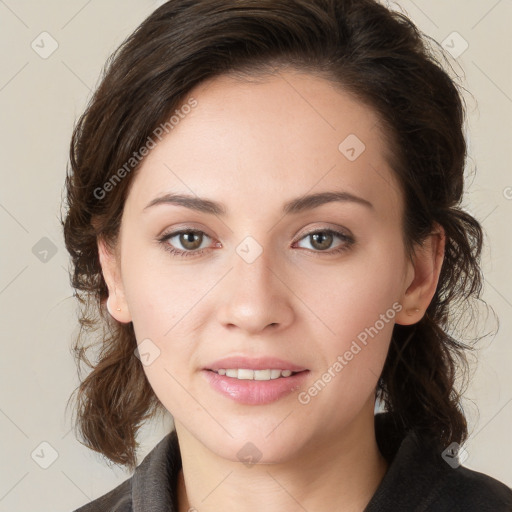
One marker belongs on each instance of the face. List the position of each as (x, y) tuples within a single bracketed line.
[(268, 278)]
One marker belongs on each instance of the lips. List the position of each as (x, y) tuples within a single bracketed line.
[(254, 381), (253, 392)]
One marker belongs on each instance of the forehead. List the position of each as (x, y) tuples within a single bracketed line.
[(269, 140)]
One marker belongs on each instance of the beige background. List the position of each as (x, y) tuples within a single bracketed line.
[(41, 97)]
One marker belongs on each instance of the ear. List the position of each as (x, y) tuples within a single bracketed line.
[(116, 302), (423, 276)]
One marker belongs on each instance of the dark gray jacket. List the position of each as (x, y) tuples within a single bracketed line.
[(418, 479)]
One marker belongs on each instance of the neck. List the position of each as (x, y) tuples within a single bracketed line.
[(342, 468)]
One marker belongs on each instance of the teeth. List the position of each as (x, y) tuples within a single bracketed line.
[(246, 374)]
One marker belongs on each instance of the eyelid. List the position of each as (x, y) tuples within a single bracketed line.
[(183, 227), (337, 230)]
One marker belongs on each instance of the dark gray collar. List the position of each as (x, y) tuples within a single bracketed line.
[(154, 482)]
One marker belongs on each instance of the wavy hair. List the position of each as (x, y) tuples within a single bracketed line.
[(377, 55)]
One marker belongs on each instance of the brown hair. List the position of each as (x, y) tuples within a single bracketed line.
[(375, 54)]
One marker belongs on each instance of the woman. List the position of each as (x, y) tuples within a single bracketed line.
[(264, 208)]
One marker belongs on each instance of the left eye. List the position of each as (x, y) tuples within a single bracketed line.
[(321, 240)]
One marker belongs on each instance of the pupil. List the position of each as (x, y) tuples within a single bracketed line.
[(188, 238), (321, 236)]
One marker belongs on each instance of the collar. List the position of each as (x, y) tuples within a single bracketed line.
[(416, 471), (417, 477), (155, 480)]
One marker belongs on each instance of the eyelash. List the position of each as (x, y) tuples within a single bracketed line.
[(180, 253)]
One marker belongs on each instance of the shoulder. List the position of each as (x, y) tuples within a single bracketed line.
[(452, 487), (152, 484), (425, 477), (466, 490), (118, 499)]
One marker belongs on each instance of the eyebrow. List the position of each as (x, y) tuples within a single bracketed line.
[(294, 206)]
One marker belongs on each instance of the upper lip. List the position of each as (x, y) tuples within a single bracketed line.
[(254, 363)]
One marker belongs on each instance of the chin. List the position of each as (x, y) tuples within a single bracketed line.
[(253, 443)]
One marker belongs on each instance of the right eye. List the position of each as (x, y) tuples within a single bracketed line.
[(190, 240)]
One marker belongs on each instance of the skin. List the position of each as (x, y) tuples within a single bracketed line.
[(253, 147)]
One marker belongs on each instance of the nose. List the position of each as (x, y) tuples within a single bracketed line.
[(255, 296)]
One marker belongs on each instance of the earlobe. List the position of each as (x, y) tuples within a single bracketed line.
[(108, 307), (116, 303), (427, 262)]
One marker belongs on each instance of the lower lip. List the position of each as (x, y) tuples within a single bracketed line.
[(255, 392)]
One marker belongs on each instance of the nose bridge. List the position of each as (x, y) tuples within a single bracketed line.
[(254, 296), (254, 270), (253, 265)]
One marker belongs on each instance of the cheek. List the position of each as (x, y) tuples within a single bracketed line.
[(354, 295), (163, 302), (167, 382), (160, 295), (357, 304)]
